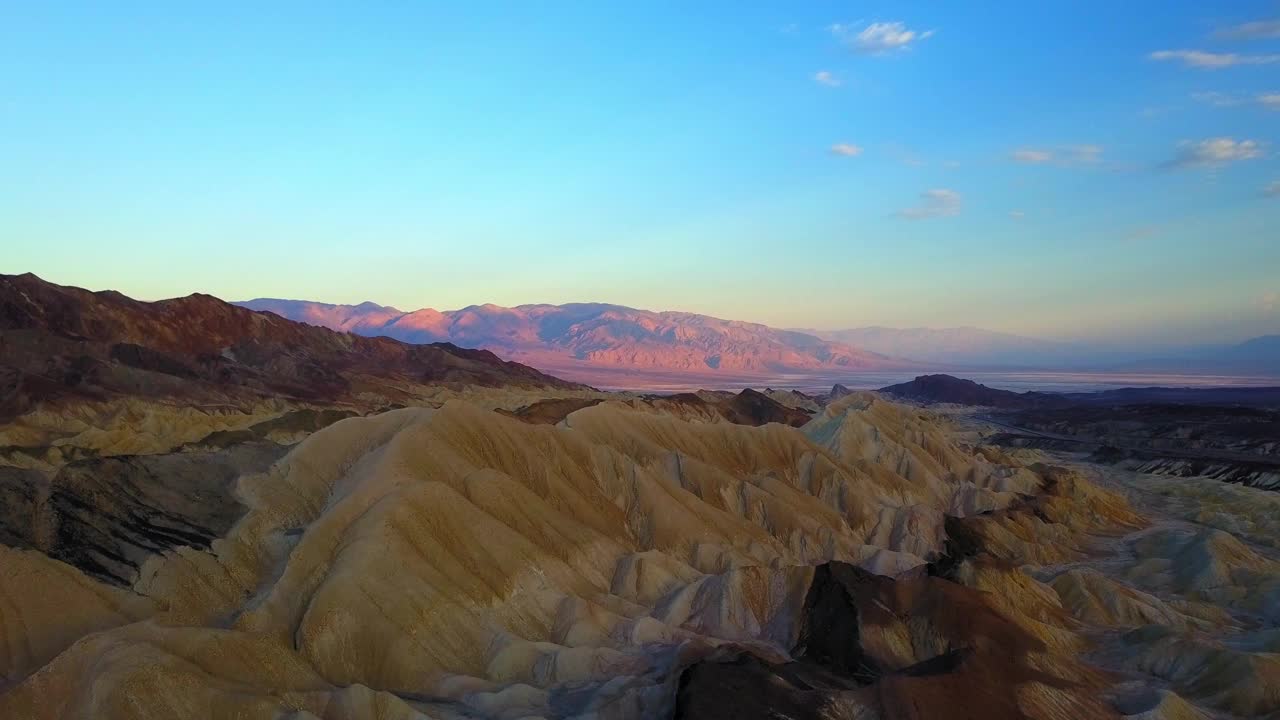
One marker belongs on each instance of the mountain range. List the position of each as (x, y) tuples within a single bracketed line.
[(959, 345), (576, 339), (617, 346)]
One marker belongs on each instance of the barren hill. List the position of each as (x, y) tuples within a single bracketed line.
[(64, 340), (617, 560), (539, 550), (91, 365)]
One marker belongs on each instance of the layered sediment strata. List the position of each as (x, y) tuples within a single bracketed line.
[(622, 558)]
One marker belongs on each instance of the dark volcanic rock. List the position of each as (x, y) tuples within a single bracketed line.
[(829, 633), (59, 342), (19, 492), (752, 407), (955, 658), (1238, 443), (948, 389), (551, 411), (291, 424), (106, 516), (837, 391), (749, 687)]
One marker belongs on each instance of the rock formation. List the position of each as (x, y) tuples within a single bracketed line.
[(958, 391), (101, 372), (543, 550)]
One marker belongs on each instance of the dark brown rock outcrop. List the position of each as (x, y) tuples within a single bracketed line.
[(949, 389), (910, 648), (59, 342)]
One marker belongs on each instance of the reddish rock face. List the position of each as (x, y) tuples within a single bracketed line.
[(597, 335), (58, 341)]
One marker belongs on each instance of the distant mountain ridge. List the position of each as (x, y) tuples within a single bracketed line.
[(976, 347), (958, 345), (948, 389), (614, 345), (596, 334), (1259, 355)]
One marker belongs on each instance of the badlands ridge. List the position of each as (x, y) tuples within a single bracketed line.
[(542, 550), (631, 562)]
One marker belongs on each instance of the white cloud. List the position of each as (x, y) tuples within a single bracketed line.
[(1272, 189), (846, 149), (1268, 100), (879, 38), (1218, 99), (1215, 151), (1260, 29), (826, 77), (1062, 155), (1017, 214), (1084, 153), (1032, 156), (940, 202), (1212, 61)]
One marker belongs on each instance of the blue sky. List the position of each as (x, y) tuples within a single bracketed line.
[(1074, 169)]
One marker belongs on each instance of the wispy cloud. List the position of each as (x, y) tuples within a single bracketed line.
[(878, 38), (1210, 60), (846, 149), (1257, 30), (1269, 301), (1060, 155), (940, 202), (826, 77), (1268, 100), (1016, 215), (1215, 152), (1084, 153), (1032, 156), (1218, 99), (1272, 189)]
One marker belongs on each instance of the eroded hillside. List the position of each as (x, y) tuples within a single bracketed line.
[(626, 559)]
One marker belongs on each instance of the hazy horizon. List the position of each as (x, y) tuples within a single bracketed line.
[(1131, 347), (829, 167)]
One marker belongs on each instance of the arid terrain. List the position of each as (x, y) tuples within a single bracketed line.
[(606, 345), (640, 361), (624, 348), (1230, 434), (189, 531)]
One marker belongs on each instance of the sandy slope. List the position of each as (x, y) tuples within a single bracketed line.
[(456, 562)]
